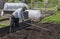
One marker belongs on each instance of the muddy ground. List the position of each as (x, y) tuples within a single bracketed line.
[(33, 32)]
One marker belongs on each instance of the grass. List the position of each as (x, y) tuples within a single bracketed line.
[(52, 19), (53, 8), (4, 23), (2, 17), (41, 6)]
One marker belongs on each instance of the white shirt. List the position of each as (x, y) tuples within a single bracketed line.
[(18, 13)]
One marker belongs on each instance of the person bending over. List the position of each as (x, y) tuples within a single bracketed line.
[(16, 16)]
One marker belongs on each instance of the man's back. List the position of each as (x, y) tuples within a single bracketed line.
[(18, 13)]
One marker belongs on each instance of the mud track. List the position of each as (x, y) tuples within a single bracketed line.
[(30, 31)]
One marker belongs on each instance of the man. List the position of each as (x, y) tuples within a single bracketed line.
[(18, 14)]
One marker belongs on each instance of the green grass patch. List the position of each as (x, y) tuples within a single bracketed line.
[(39, 6), (3, 25), (53, 8), (52, 19), (49, 6)]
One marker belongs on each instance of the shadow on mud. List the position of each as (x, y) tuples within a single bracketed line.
[(10, 29)]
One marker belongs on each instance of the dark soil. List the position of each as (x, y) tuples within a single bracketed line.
[(33, 32)]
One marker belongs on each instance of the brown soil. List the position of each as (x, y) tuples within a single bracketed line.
[(33, 32)]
